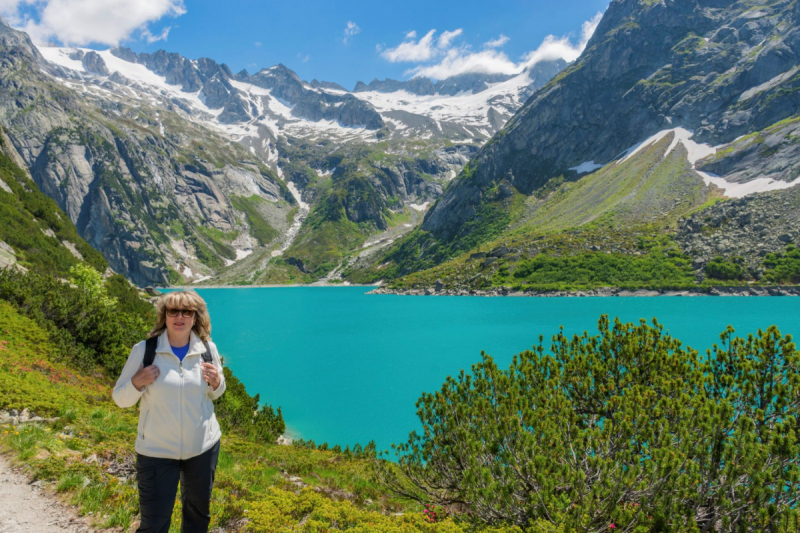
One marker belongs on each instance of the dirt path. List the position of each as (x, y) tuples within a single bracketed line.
[(25, 508)]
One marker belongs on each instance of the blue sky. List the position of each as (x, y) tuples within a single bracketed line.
[(343, 41)]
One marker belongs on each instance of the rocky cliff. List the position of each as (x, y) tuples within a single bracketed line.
[(158, 207)]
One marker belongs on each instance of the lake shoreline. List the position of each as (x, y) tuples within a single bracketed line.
[(273, 286), (601, 292)]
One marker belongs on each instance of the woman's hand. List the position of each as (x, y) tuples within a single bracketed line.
[(210, 375), (145, 376)]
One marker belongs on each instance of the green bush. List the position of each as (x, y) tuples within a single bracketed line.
[(238, 411), (128, 298), (626, 427), (721, 269), (602, 269), (783, 268), (85, 329)]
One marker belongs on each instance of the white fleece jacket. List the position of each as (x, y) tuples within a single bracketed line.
[(176, 413)]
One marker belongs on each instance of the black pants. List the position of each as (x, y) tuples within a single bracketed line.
[(158, 484)]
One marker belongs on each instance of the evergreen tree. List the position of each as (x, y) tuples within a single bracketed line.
[(624, 430)]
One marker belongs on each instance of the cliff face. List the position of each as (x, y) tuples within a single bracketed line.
[(155, 206), (721, 69)]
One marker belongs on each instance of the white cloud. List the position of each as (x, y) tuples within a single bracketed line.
[(258, 44), (439, 59), (447, 37), (496, 43), (350, 30), (411, 51), (560, 47), (425, 49), (82, 22), (150, 38), (303, 57), (459, 61)]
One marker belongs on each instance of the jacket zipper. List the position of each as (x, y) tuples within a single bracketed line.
[(180, 363)]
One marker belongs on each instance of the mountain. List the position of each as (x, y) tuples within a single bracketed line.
[(179, 170), (470, 107), (156, 204), (418, 86), (719, 79)]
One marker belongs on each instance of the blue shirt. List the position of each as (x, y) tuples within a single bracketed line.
[(180, 351)]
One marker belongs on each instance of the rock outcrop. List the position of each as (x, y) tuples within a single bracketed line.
[(748, 228)]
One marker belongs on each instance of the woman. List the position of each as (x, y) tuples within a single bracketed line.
[(178, 432)]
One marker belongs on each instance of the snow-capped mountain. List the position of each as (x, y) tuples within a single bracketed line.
[(256, 109)]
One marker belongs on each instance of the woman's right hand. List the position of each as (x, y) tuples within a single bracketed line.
[(144, 376)]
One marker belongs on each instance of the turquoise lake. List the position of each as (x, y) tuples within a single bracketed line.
[(348, 367)]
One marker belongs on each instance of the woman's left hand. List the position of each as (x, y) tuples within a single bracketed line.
[(210, 375)]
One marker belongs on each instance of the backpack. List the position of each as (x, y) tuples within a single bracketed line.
[(150, 351)]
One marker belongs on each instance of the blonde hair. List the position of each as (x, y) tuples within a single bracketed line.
[(183, 300)]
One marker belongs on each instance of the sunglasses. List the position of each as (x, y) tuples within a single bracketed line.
[(187, 313)]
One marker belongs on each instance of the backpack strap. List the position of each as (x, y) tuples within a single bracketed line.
[(207, 354), (150, 351)]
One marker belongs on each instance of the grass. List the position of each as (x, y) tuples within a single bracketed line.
[(594, 256), (322, 244), (260, 229), (87, 456)]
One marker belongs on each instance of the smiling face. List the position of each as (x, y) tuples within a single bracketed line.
[(179, 329), (179, 326)]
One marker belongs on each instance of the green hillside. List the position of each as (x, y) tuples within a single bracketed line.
[(608, 228)]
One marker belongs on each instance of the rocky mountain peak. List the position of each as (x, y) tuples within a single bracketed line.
[(327, 85), (125, 53), (93, 63), (473, 82), (420, 86), (17, 42)]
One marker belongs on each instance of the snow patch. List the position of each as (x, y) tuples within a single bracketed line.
[(586, 167), (419, 207), (738, 190), (696, 152), (302, 213), (683, 136), (60, 56), (296, 194)]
